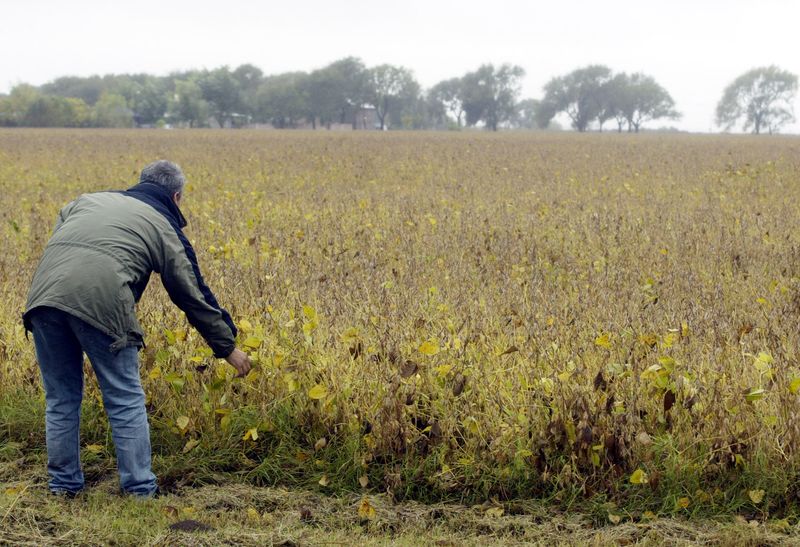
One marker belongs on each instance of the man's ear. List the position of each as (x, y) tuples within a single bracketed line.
[(176, 197)]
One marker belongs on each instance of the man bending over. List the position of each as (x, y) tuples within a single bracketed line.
[(82, 300)]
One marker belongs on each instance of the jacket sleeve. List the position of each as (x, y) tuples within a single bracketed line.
[(180, 274)]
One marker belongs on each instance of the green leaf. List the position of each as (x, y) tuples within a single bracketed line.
[(667, 362), (176, 380), (162, 356)]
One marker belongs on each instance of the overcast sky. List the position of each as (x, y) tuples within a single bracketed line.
[(694, 48)]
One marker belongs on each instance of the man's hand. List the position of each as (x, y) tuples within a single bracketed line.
[(240, 361)]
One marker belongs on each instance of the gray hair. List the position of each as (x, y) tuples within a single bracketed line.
[(166, 174)]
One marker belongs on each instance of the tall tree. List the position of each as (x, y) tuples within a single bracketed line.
[(579, 94), (490, 94), (111, 110), (87, 89), (52, 111), (336, 91), (761, 98), (616, 97), (14, 108), (446, 99), (414, 113), (188, 105), (281, 99), (148, 100), (249, 78), (389, 87), (644, 99), (223, 93), (544, 114), (526, 114), (613, 94)]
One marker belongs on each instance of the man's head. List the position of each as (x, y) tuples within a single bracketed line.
[(166, 174)]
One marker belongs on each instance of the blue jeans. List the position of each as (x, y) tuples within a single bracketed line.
[(61, 340)]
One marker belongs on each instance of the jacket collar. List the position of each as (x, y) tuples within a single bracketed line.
[(162, 196)]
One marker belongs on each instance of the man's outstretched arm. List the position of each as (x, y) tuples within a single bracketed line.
[(181, 277)]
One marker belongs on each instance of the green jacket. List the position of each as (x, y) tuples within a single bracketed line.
[(98, 262)]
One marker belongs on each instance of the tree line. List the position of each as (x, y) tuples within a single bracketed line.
[(384, 96)]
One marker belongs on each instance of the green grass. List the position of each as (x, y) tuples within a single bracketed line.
[(677, 487), (240, 514)]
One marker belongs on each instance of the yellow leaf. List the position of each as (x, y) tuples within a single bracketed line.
[(639, 477), (251, 434), (155, 373), (252, 514), (318, 392), (495, 512), (765, 358), (603, 341), (94, 448), (350, 334), (252, 342), (682, 503), (429, 348), (649, 515), (614, 519), (245, 326), (794, 386), (363, 480), (182, 423), (756, 496), (310, 313), (366, 510), (291, 382), (670, 339), (649, 340), (471, 424), (324, 481), (443, 370)]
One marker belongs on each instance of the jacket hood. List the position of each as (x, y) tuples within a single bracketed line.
[(160, 195)]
